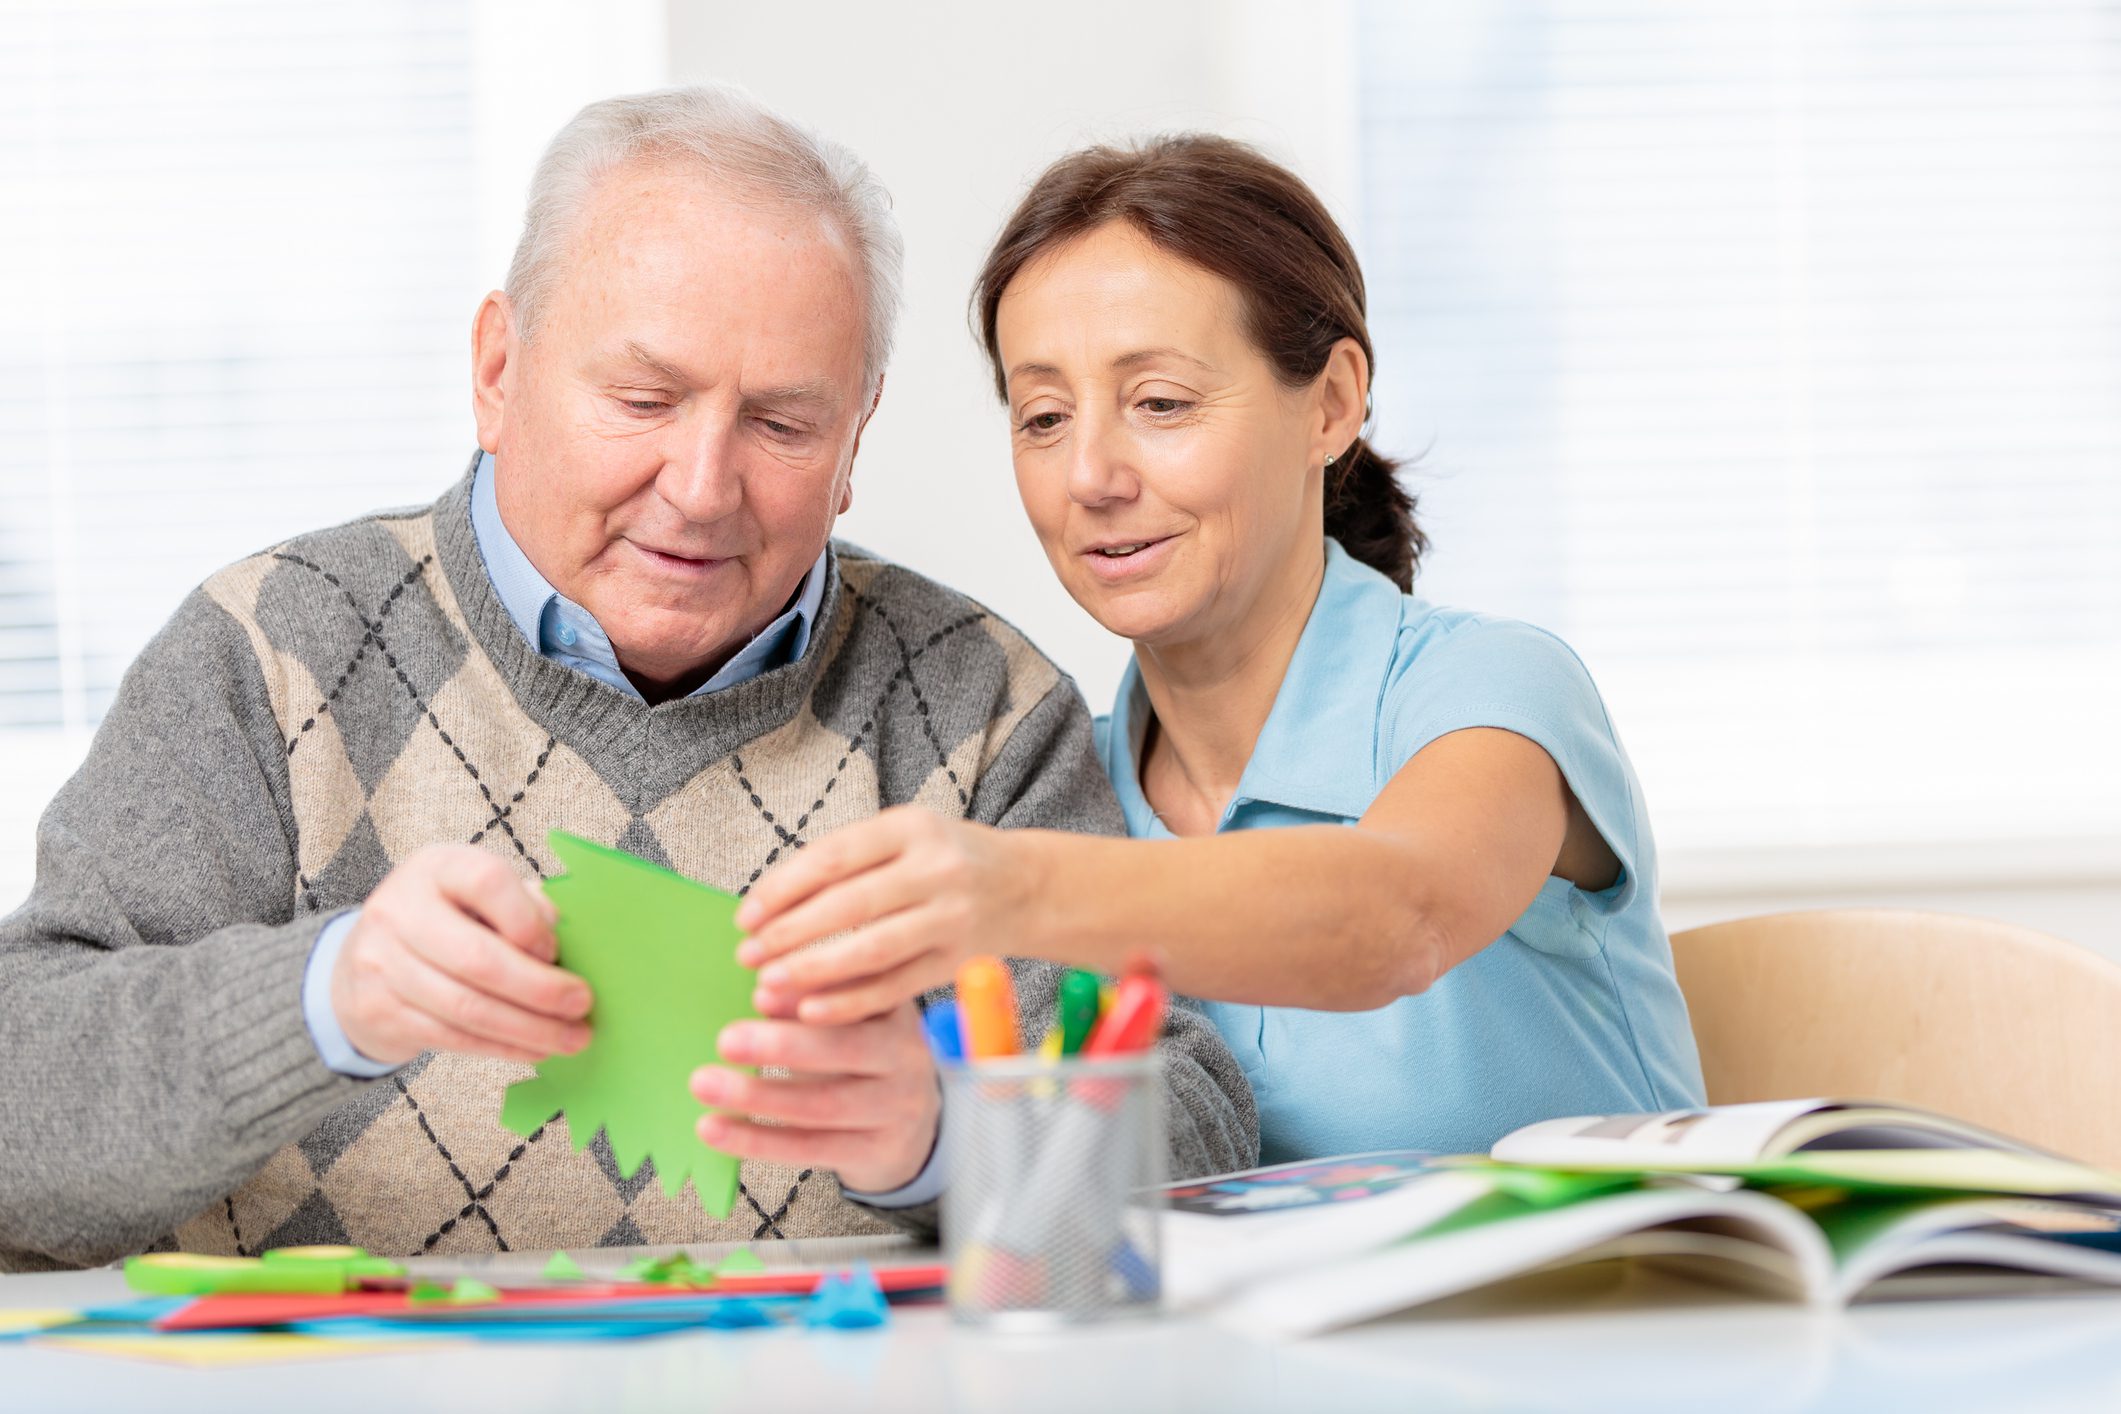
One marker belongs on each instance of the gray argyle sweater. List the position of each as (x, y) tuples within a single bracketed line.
[(316, 712)]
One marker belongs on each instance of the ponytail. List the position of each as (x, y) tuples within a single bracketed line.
[(1372, 515)]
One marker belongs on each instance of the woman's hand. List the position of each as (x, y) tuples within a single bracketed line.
[(916, 895)]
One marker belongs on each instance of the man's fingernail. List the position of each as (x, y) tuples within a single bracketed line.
[(747, 953), (735, 1040), (774, 975)]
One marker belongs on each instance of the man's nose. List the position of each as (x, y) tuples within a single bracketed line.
[(1100, 469), (701, 474)]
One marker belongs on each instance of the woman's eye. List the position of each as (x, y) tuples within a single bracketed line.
[(1044, 421), (1162, 405)]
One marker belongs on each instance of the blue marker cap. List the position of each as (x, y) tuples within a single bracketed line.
[(944, 1036)]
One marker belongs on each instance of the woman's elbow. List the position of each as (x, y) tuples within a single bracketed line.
[(1406, 959)]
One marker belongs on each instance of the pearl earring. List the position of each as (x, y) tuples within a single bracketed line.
[(1330, 459)]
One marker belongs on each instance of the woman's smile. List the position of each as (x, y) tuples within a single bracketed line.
[(1116, 561)]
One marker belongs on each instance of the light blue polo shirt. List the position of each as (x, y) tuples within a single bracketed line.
[(1574, 1010)]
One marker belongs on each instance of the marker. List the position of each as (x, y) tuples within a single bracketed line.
[(944, 1037), (987, 1002), (1136, 1016), (1078, 1010)]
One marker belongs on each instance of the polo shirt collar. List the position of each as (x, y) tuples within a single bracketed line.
[(1318, 750)]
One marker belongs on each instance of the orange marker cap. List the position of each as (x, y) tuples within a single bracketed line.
[(986, 1006)]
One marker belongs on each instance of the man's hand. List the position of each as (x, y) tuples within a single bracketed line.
[(861, 1100), (452, 952)]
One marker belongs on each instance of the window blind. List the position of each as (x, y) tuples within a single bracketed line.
[(1772, 356), (232, 263), (237, 253)]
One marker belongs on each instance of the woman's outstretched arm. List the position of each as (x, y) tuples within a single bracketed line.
[(1328, 917)]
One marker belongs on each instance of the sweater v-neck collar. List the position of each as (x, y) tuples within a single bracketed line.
[(654, 749)]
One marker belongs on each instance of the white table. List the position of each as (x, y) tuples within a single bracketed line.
[(1604, 1338)]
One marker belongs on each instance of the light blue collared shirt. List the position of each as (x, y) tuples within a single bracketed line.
[(1574, 1010), (569, 634)]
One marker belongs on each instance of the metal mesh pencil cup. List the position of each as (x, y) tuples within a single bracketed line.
[(1040, 1219)]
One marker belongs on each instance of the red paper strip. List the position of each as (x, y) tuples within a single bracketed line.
[(248, 1311)]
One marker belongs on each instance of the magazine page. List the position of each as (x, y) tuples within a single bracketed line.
[(1220, 1232), (1715, 1135), (1774, 1243), (2000, 1239)]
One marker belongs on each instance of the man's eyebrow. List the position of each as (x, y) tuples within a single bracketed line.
[(669, 372), (819, 396)]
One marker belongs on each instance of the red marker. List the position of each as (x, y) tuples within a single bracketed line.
[(1135, 1018)]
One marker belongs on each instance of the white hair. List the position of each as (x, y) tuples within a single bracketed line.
[(728, 134)]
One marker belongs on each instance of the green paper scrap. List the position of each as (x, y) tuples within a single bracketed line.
[(427, 1293), (741, 1261), (561, 1267), (659, 954), (471, 1292), (678, 1269)]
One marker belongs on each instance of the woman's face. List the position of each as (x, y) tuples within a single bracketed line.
[(1173, 480)]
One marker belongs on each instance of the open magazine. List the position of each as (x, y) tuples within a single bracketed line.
[(1766, 1197)]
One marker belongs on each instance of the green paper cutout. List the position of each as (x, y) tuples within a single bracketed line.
[(561, 1267), (659, 954), (426, 1293), (470, 1292), (678, 1269), (740, 1261)]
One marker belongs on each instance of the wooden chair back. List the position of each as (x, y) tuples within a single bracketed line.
[(1988, 1022)]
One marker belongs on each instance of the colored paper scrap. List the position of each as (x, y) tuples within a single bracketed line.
[(659, 954), (427, 1293), (561, 1267), (676, 1269), (847, 1301), (219, 1351), (23, 1321), (740, 1261), (468, 1292)]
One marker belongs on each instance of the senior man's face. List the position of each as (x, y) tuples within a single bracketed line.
[(677, 438)]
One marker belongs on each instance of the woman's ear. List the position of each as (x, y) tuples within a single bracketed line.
[(1343, 394), (493, 349)]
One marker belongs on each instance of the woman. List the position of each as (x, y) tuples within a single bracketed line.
[(1395, 849)]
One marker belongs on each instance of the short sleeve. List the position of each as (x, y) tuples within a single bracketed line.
[(1480, 671)]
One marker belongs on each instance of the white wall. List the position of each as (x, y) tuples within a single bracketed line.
[(957, 105)]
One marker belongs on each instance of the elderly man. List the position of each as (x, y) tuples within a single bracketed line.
[(285, 949)]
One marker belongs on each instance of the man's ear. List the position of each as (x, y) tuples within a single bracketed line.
[(493, 352), (847, 491)]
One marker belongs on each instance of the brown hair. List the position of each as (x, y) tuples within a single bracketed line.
[(1228, 209)]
